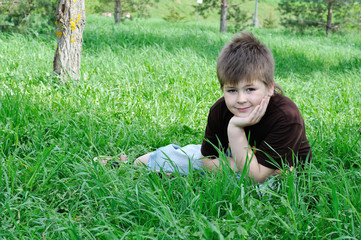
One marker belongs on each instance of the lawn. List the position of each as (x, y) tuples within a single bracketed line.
[(149, 83)]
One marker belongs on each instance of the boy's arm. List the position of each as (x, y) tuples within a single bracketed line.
[(213, 163), (243, 155), (238, 143)]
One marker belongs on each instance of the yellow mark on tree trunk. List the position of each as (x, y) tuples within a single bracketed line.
[(72, 26), (79, 17)]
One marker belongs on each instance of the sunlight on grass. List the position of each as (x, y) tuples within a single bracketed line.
[(146, 84)]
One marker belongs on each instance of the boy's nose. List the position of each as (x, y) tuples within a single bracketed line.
[(241, 98)]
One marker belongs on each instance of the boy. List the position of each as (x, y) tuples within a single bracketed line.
[(250, 112)]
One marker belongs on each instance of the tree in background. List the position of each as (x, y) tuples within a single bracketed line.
[(229, 12), (70, 21), (117, 11), (138, 8), (325, 14), (25, 15), (255, 19)]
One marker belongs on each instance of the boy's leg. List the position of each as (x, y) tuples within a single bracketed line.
[(142, 160), (103, 160)]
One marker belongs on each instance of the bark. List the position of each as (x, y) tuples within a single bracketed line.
[(224, 10), (117, 11), (329, 18), (70, 21)]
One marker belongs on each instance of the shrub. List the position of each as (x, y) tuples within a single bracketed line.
[(33, 15), (174, 16), (270, 21)]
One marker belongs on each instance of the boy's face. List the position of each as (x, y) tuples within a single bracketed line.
[(241, 99)]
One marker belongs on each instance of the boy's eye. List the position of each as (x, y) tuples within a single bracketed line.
[(250, 89), (231, 91)]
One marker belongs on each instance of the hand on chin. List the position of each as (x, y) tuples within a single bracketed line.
[(253, 117)]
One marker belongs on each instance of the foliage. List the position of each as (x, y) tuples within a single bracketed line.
[(137, 8), (304, 14), (350, 15), (140, 8), (148, 83), (270, 21), (174, 16), (99, 6), (28, 15), (239, 18), (236, 14)]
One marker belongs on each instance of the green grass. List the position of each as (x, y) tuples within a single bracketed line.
[(145, 84)]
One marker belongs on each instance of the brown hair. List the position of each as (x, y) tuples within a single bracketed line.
[(245, 58)]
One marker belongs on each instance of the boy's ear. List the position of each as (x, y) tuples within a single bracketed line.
[(271, 89)]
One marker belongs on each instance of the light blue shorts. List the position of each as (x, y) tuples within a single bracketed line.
[(173, 158)]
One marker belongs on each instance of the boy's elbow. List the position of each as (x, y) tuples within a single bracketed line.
[(261, 174), (258, 179)]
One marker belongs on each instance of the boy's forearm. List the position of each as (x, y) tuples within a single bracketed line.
[(239, 146), (214, 164), (243, 155)]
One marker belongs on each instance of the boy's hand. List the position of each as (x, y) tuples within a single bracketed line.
[(253, 118)]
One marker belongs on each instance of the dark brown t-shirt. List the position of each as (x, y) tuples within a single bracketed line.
[(280, 134)]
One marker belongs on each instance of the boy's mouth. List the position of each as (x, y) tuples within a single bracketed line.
[(244, 109)]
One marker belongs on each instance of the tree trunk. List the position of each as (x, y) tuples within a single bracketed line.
[(329, 18), (255, 19), (224, 10), (117, 11), (70, 21)]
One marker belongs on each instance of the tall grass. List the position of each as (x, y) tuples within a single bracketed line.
[(145, 84)]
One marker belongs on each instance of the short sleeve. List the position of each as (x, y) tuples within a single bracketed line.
[(215, 136), (210, 138), (280, 145)]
